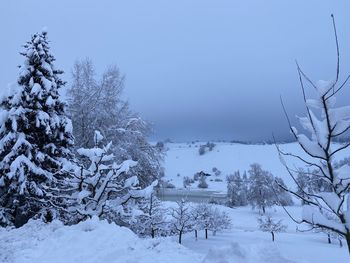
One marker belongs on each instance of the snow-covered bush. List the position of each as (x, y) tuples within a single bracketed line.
[(35, 140), (202, 182), (104, 188), (201, 150), (268, 224)]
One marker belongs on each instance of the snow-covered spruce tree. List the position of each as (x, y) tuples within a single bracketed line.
[(182, 220), (104, 188), (35, 139), (324, 124), (260, 193), (268, 224)]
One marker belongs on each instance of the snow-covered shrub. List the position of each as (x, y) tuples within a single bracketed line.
[(104, 188), (202, 182), (210, 146), (35, 140), (201, 149), (268, 224)]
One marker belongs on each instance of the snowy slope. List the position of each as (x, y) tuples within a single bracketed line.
[(92, 241), (184, 160)]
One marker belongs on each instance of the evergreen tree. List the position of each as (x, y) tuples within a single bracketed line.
[(35, 138)]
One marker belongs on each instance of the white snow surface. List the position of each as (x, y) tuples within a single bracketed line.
[(96, 241), (92, 241)]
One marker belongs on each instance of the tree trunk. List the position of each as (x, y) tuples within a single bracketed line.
[(340, 243), (263, 208), (347, 237), (273, 236), (152, 233), (206, 233), (196, 234), (180, 237), (329, 239)]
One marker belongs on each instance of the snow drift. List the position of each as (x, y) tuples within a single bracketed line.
[(91, 241)]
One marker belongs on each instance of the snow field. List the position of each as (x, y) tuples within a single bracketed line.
[(183, 159)]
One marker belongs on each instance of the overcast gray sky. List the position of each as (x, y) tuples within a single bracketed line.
[(197, 69)]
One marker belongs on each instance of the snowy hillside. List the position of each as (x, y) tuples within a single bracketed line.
[(183, 159)]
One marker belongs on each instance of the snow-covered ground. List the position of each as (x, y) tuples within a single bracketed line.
[(183, 159), (92, 241), (246, 243), (95, 241)]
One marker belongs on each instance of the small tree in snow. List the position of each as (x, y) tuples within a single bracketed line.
[(182, 218), (152, 221), (325, 123), (260, 193), (35, 139), (203, 214), (267, 224), (220, 221)]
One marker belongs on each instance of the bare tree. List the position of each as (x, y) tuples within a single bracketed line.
[(267, 224), (326, 124), (182, 218)]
